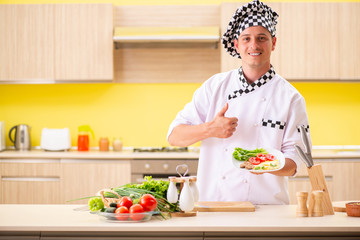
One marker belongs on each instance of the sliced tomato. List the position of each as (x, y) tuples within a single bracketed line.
[(254, 161), (261, 157), (122, 213), (270, 157)]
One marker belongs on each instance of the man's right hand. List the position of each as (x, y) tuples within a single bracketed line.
[(221, 126)]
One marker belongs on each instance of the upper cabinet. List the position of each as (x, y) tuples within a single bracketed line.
[(349, 35), (160, 44), (83, 42), (315, 40), (27, 43), (54, 43)]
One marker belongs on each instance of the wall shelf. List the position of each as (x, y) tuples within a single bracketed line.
[(166, 35)]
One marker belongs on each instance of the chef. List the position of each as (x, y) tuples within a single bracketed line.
[(250, 107)]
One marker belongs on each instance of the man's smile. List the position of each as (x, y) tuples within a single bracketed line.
[(254, 54)]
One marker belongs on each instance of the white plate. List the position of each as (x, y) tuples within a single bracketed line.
[(278, 155)]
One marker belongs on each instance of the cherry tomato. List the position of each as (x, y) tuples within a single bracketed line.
[(254, 161), (148, 202), (270, 157), (135, 212), (122, 213), (126, 202)]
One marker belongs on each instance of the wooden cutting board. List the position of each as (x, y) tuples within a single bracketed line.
[(224, 207)]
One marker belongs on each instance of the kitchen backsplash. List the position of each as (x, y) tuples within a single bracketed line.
[(140, 114)]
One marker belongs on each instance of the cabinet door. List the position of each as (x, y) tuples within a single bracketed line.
[(83, 42), (341, 178), (308, 41), (84, 178), (30, 181), (349, 34), (26, 43)]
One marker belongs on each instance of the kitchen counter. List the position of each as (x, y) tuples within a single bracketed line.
[(94, 154), (128, 154), (266, 221)]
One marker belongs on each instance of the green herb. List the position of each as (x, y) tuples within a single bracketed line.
[(244, 155), (158, 186)]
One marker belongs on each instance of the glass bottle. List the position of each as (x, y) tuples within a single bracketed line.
[(83, 137)]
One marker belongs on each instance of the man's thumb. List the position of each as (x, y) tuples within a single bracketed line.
[(222, 112)]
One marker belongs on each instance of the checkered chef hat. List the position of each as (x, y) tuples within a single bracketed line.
[(254, 13)]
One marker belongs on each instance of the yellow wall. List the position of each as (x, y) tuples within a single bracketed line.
[(141, 113)]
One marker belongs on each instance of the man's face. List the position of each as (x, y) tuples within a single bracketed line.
[(255, 45)]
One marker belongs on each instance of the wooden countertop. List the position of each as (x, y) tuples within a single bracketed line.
[(128, 154), (266, 218), (93, 154)]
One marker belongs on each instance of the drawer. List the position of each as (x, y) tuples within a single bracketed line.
[(30, 167), (162, 166)]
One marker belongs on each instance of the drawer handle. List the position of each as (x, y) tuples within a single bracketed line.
[(166, 166), (31, 179)]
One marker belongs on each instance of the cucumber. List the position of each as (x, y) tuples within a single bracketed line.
[(113, 204), (110, 210)]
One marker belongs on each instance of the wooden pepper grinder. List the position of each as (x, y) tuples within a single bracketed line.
[(318, 204), (301, 209)]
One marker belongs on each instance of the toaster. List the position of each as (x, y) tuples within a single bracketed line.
[(53, 139)]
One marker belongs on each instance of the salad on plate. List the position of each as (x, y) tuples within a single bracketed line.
[(260, 160)]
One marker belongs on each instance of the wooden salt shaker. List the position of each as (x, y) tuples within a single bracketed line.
[(301, 209), (318, 208)]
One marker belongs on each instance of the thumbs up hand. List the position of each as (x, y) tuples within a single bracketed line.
[(221, 126)]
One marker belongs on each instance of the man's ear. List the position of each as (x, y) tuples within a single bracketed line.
[(236, 45), (273, 43)]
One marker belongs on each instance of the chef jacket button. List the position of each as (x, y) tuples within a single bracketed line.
[(223, 177), (245, 181), (263, 99), (225, 149), (255, 124)]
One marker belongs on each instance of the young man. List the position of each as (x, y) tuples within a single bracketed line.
[(249, 107)]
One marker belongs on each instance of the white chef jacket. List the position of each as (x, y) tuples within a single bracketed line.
[(276, 102)]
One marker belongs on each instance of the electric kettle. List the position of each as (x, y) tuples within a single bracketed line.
[(22, 140)]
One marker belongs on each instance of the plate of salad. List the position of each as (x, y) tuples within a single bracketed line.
[(259, 160)]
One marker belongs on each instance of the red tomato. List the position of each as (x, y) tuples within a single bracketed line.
[(122, 213), (135, 212), (148, 202), (261, 157), (254, 161), (270, 157), (126, 202)]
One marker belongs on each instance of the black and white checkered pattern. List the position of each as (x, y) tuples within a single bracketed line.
[(273, 124), (251, 14), (307, 128), (247, 88)]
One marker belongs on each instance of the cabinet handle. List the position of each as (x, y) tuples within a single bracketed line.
[(306, 178), (31, 179), (166, 166)]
